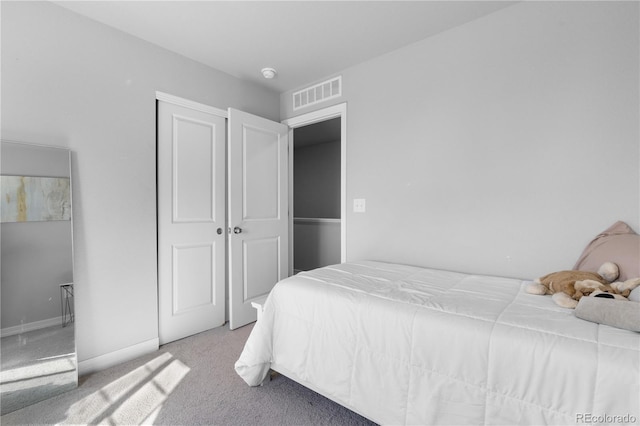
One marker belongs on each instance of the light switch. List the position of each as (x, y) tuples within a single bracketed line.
[(359, 205)]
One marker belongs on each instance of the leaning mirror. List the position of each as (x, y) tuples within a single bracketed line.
[(36, 292)]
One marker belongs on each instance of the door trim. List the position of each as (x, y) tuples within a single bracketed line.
[(339, 110), (175, 100)]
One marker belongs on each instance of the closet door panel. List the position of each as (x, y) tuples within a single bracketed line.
[(193, 177), (191, 221), (258, 191)]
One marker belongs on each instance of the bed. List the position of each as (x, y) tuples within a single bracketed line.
[(400, 344)]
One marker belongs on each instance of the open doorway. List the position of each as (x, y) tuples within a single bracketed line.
[(317, 196), (303, 120)]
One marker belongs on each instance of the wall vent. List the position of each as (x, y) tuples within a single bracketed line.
[(317, 93)]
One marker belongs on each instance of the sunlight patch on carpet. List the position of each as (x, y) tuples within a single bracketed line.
[(134, 398)]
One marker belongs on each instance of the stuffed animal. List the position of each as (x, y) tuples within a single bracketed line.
[(567, 287), (624, 288), (619, 290), (606, 295)]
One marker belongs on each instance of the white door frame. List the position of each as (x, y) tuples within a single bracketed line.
[(166, 97), (324, 114)]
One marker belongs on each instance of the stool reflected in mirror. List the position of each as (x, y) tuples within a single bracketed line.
[(66, 301)]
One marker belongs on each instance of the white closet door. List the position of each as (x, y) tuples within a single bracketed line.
[(191, 221), (258, 211)]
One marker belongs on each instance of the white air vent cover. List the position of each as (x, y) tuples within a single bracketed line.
[(318, 93)]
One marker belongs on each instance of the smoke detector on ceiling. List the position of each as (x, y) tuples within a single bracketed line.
[(268, 73)]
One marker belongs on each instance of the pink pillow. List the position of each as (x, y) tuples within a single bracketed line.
[(618, 244)]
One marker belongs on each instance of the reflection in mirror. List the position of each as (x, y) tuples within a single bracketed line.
[(38, 351)]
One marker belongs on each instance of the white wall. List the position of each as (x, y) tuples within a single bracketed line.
[(69, 81), (501, 146)]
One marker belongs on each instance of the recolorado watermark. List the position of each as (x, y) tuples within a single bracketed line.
[(589, 418)]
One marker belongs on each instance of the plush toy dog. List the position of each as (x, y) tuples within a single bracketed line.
[(567, 287), (624, 288)]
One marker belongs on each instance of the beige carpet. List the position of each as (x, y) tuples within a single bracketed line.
[(188, 382)]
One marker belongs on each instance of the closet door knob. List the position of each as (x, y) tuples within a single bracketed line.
[(219, 231), (237, 230)]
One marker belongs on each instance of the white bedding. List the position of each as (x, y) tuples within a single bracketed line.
[(406, 345)]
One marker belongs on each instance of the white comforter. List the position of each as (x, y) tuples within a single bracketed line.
[(406, 345)]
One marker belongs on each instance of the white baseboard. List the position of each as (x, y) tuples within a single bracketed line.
[(110, 359), (36, 325)]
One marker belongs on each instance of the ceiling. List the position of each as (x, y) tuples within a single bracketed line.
[(303, 40)]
